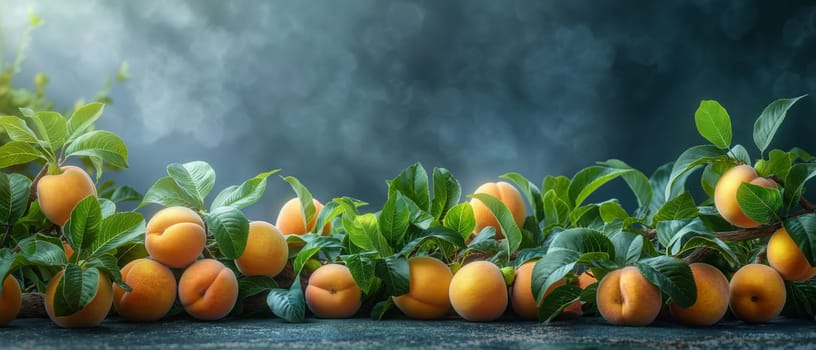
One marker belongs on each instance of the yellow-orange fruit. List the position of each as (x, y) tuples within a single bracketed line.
[(290, 218), (153, 291), (10, 300), (92, 315), (757, 293), (627, 298), (506, 193), (69, 252), (58, 194), (175, 236), (712, 297), (427, 296), (266, 251), (478, 292), (725, 194), (332, 292), (523, 301), (585, 280), (786, 257), (208, 290)]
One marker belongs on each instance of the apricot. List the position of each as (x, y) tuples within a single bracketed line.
[(153, 291), (175, 236), (786, 257), (208, 290), (69, 252), (332, 292), (290, 218), (626, 297), (59, 194), (478, 292), (725, 194), (522, 300), (585, 280), (91, 315), (266, 251), (427, 296), (757, 293), (10, 300), (712, 297), (504, 192)]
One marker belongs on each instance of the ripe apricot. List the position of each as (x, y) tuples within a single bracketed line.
[(332, 292), (757, 293), (153, 291), (208, 290), (58, 194), (504, 192), (626, 297), (712, 297), (786, 257), (10, 300), (266, 251), (725, 194), (290, 218), (92, 315), (175, 236), (478, 292), (69, 252), (523, 301), (585, 280), (427, 296)]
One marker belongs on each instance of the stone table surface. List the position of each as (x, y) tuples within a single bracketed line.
[(252, 333)]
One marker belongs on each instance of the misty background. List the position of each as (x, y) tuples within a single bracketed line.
[(346, 94)]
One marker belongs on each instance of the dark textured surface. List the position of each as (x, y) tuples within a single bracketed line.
[(364, 333)]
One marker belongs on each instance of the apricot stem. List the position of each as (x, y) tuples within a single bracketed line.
[(207, 253)]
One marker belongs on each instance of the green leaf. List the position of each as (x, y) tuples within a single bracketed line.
[(672, 276), (302, 257), (557, 301), (446, 192), (52, 128), (419, 217), (556, 211), (330, 211), (690, 159), (230, 228), (41, 252), (769, 121), (14, 190), (708, 240), (124, 194), (413, 183), (362, 269), (393, 270), (117, 230), (254, 285), (611, 211), (559, 184), (590, 179), (461, 219), (798, 153), (801, 299), (739, 153), (802, 229), (75, 290), (307, 207), (394, 218), (505, 219), (530, 191), (583, 240), (668, 229), (18, 130), (711, 175), (167, 192), (779, 164), (290, 305), (443, 234), (18, 152), (244, 195), (100, 144), (637, 181), (680, 207), (795, 182), (84, 118), (107, 263), (552, 268), (364, 232), (197, 178), (759, 203), (82, 227), (713, 123), (381, 308)]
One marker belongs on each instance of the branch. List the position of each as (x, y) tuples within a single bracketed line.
[(748, 234), (698, 255)]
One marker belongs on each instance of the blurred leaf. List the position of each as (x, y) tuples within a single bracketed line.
[(84, 118), (713, 123), (244, 195), (461, 219), (769, 121), (802, 229), (104, 145), (530, 191), (690, 159), (413, 183), (394, 218), (167, 192), (759, 203), (680, 207), (230, 228), (672, 276), (197, 178), (18, 152), (82, 227), (290, 305), (798, 153), (447, 192), (117, 230), (51, 128), (18, 130), (505, 219), (381, 308), (14, 190)]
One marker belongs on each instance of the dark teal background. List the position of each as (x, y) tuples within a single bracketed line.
[(345, 94)]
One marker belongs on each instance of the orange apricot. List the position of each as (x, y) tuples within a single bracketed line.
[(91, 315), (712, 297), (427, 296), (266, 251), (208, 290), (725, 194), (478, 292), (175, 236), (504, 192), (332, 292), (523, 302), (290, 218), (58, 194), (10, 300), (757, 293), (626, 297), (153, 291), (786, 257)]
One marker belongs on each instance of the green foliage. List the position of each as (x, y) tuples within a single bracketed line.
[(769, 121), (713, 123)]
